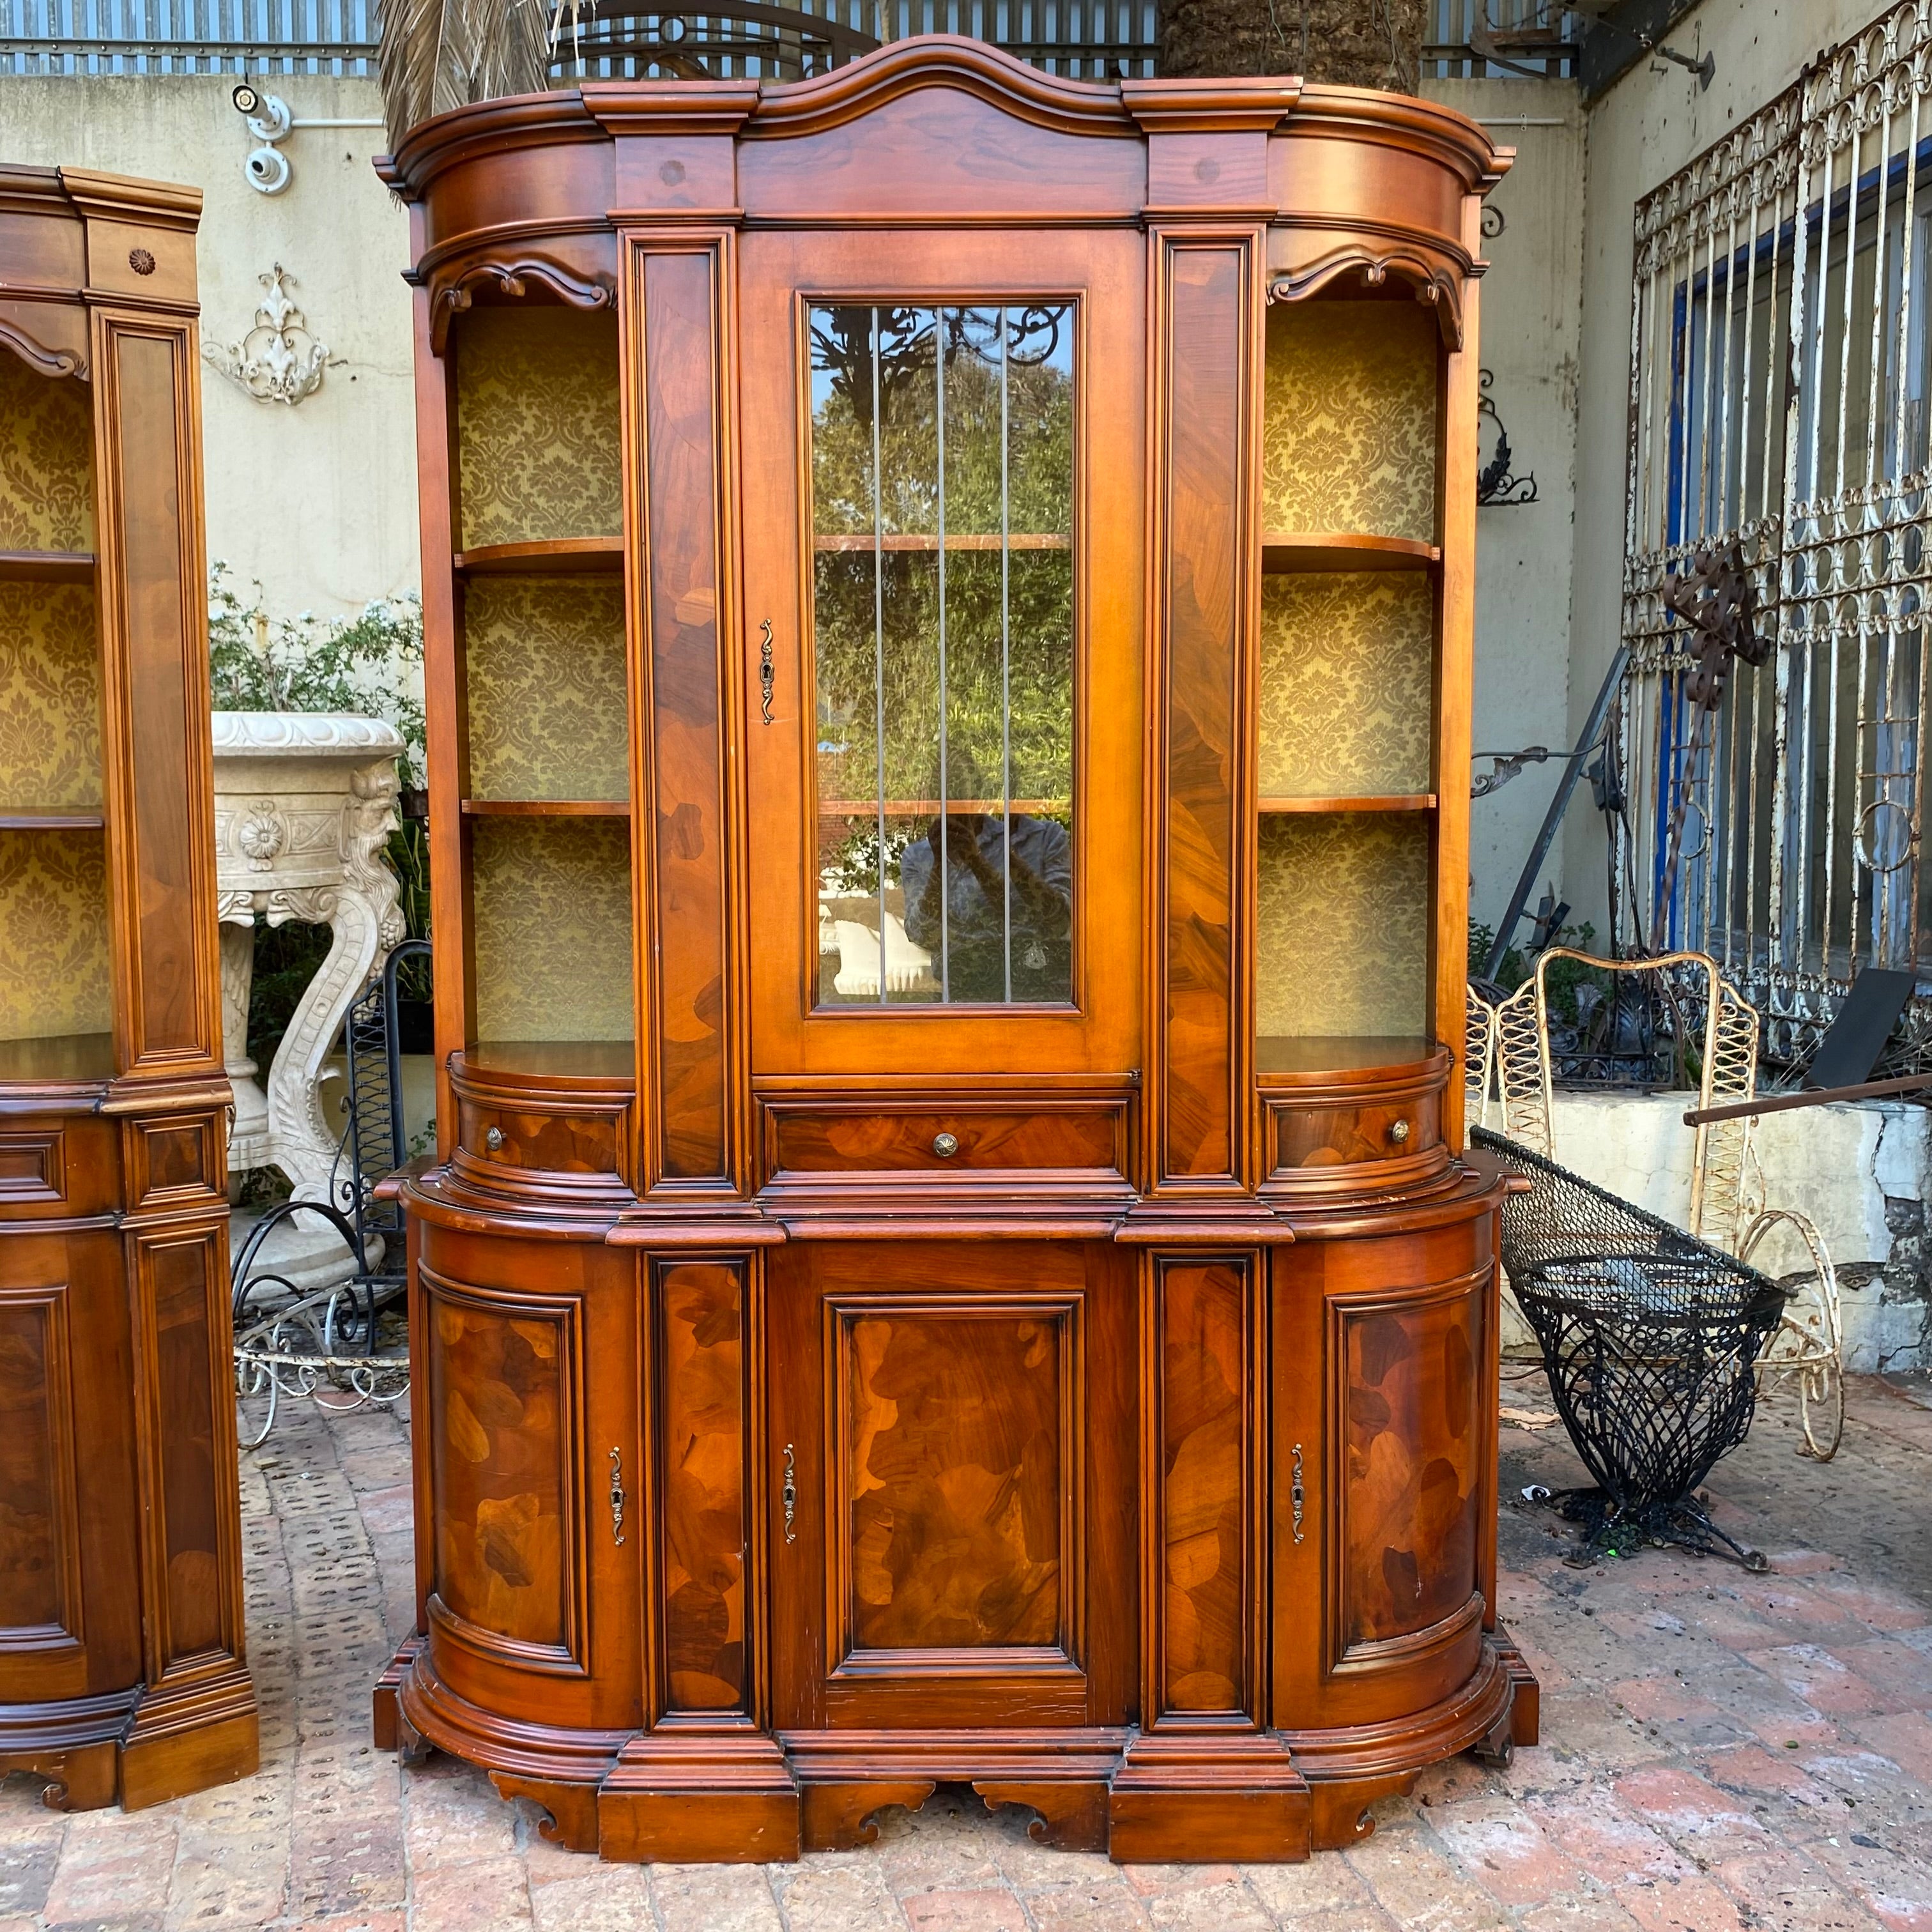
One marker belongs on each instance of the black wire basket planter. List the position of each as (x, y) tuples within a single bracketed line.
[(1650, 1339)]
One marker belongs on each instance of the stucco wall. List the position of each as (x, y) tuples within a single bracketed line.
[(318, 500), (1531, 319), (1861, 1173)]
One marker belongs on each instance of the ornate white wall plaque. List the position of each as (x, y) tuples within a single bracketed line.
[(278, 361)]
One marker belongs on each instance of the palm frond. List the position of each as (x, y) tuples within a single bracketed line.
[(435, 54)]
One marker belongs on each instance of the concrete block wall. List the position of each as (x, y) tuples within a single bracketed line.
[(1861, 1173)]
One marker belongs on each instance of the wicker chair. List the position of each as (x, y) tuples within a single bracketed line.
[(1716, 1030), (1650, 1339)]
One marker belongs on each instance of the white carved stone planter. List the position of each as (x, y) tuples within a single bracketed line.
[(304, 802)]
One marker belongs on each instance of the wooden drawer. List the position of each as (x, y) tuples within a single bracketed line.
[(57, 1167), (558, 1140), (1378, 1131), (941, 1137)]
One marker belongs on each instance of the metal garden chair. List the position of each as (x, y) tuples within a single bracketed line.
[(347, 1338), (1713, 1030)]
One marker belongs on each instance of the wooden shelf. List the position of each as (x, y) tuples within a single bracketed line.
[(1287, 1055), (51, 821), (1286, 551), (914, 540), (555, 556), (605, 1064), (46, 566), (928, 808), (546, 808), (1399, 801), (58, 1059)]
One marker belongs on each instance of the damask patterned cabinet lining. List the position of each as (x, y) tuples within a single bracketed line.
[(538, 535), (53, 881), (1346, 746)]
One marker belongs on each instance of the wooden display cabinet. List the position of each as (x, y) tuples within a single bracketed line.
[(948, 595), (122, 1671)]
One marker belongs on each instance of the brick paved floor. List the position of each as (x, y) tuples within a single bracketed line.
[(1723, 1751)]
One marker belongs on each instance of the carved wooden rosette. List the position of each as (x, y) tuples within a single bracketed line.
[(1094, 1402), (121, 1670)]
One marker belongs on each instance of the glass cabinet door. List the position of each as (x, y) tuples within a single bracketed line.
[(942, 537), (955, 711)]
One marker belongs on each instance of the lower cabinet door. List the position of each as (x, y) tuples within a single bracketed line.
[(952, 1523), (1384, 1448), (69, 1592), (525, 1357)]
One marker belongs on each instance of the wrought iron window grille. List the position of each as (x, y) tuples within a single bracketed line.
[(1779, 376)]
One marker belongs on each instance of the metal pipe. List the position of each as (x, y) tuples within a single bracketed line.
[(1786, 1103)]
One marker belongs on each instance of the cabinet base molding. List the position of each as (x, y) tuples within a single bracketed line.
[(704, 1797), (135, 1748), (571, 1821), (743, 1796), (1526, 1713), (83, 1778), (1182, 1795), (383, 1719), (426, 1713), (72, 1743), (185, 1740)]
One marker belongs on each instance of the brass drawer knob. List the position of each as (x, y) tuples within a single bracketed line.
[(945, 1145), (1399, 1132), (493, 1139)]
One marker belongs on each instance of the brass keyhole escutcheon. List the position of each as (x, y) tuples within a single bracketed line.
[(945, 1145), (1398, 1132), (493, 1139)]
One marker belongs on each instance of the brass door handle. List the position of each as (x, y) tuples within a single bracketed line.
[(617, 1495), (767, 674), (788, 1495)]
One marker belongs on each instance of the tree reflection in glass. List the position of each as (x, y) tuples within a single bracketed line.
[(942, 492)]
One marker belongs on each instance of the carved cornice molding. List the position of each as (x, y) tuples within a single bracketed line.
[(1403, 121), (41, 359), (1437, 283), (1246, 104), (938, 60)]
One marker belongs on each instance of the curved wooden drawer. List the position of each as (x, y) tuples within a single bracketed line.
[(1376, 1130), (542, 1134)]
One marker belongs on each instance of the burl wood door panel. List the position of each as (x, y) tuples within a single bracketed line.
[(1205, 1318), (1385, 1351), (521, 1393), (700, 1315), (69, 1620), (956, 1421), (1405, 1383)]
